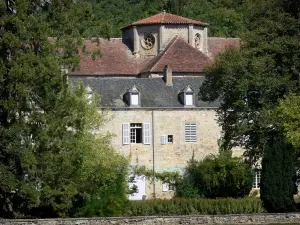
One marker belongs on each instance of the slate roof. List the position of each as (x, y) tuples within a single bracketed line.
[(154, 92), (166, 18), (180, 56)]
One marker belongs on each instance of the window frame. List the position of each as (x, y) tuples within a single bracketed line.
[(129, 131), (256, 179)]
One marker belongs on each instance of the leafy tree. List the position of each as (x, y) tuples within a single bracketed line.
[(278, 176), (48, 156), (220, 176), (250, 81)]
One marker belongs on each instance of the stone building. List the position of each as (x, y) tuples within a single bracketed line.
[(150, 79)]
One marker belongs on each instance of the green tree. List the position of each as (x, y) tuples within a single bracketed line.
[(278, 176), (250, 82), (219, 176), (48, 156)]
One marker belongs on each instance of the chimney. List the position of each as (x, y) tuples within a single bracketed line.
[(168, 75)]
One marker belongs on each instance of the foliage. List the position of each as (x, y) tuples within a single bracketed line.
[(226, 18), (220, 176), (49, 159), (278, 176), (250, 81), (165, 176), (193, 206), (288, 111), (186, 189)]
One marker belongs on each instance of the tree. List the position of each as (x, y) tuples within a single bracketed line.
[(49, 157), (278, 176), (250, 82), (218, 176)]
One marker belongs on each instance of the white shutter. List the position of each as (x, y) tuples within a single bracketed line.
[(190, 132), (126, 133), (163, 139), (147, 133)]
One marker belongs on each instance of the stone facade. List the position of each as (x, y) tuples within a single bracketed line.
[(170, 156), (264, 218), (163, 34)]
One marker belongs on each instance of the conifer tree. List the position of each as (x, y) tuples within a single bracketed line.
[(278, 176)]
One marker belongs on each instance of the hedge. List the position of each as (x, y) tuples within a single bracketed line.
[(196, 206)]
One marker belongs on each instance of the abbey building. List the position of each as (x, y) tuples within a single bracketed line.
[(149, 80)]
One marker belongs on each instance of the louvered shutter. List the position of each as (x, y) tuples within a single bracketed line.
[(146, 133), (190, 132), (163, 139), (126, 133)]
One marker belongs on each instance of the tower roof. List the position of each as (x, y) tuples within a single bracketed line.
[(166, 18)]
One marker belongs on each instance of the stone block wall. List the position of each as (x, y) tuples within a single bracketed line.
[(172, 220), (171, 156)]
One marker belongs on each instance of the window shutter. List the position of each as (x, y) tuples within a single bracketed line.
[(126, 133), (190, 132), (147, 133), (163, 139)]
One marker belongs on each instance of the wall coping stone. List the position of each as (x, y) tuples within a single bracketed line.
[(262, 218)]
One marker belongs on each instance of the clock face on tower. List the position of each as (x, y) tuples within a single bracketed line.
[(148, 41)]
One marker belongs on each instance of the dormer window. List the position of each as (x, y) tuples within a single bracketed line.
[(133, 97), (187, 97)]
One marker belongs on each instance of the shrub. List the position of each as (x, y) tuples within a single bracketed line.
[(195, 206), (220, 176)]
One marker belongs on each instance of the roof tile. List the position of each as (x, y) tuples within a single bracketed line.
[(166, 18), (180, 56)]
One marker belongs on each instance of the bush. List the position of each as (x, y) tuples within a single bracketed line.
[(196, 206), (220, 176)]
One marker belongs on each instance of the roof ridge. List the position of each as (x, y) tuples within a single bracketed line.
[(159, 56)]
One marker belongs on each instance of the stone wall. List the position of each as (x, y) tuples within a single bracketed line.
[(171, 156), (174, 220)]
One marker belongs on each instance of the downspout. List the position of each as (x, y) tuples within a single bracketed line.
[(153, 156)]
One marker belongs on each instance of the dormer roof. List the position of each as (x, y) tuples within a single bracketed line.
[(187, 89), (166, 18), (133, 89)]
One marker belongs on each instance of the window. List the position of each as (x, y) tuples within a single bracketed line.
[(170, 138), (256, 179), (189, 99), (166, 139), (186, 97), (136, 133), (168, 187), (134, 98), (190, 132)]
